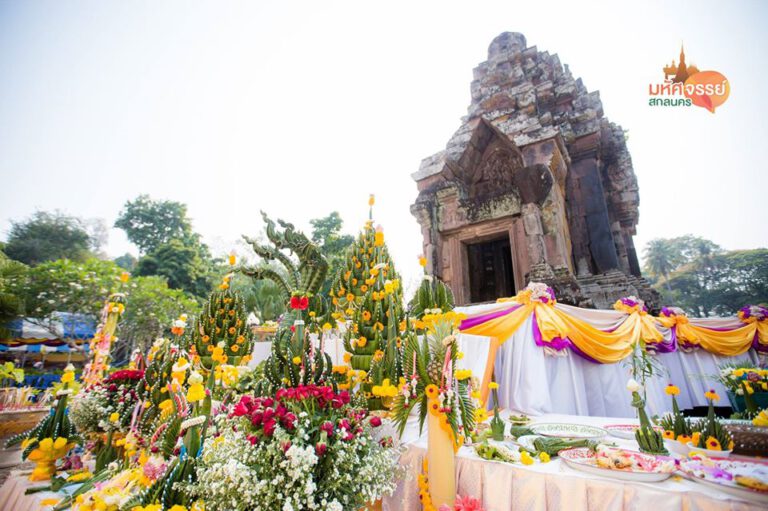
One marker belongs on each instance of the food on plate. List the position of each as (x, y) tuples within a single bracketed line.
[(519, 420), (746, 474), (619, 459)]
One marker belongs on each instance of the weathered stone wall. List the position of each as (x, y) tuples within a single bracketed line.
[(535, 157)]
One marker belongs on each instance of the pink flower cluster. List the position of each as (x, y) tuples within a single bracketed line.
[(125, 374), (264, 413), (329, 415), (322, 394)]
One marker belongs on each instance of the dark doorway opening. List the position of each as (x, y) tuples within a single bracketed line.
[(490, 270)]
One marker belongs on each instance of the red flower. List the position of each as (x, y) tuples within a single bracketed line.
[(375, 421), (327, 426), (299, 302), (320, 448), (269, 426)]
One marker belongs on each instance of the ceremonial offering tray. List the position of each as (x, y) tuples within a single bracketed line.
[(625, 431), (561, 430), (619, 464), (745, 479), (519, 420)]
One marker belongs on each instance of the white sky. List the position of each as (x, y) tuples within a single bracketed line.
[(301, 108)]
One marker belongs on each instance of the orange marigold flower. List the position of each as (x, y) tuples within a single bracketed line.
[(670, 435), (366, 315), (431, 391), (235, 348)]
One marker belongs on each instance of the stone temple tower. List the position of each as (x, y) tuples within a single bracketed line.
[(535, 185)]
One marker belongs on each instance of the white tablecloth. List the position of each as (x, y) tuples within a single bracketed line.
[(555, 486), (532, 381)]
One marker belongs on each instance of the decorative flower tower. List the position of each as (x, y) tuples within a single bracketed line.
[(367, 293)]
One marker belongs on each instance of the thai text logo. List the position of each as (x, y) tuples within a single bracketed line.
[(684, 85)]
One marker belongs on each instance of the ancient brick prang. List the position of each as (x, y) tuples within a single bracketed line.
[(536, 163)]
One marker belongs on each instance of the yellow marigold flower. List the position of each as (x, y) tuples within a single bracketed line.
[(296, 360), (422, 261), (544, 457), (347, 357), (114, 417), (672, 390), (349, 312), (68, 377), (378, 326), (526, 458), (683, 439), (463, 374), (232, 330), (712, 395), (366, 316), (235, 348), (761, 419), (362, 341), (378, 355), (431, 391), (713, 445), (166, 406), (196, 392), (379, 238), (364, 288), (493, 385), (327, 326), (670, 435)]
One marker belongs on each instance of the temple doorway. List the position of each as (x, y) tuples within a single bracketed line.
[(490, 270)]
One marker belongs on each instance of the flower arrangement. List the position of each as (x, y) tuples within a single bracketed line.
[(743, 380), (368, 295), (462, 503), (107, 405), (752, 313), (101, 344), (650, 440), (305, 448), (630, 304), (676, 426), (431, 381), (540, 292), (54, 435), (712, 436)]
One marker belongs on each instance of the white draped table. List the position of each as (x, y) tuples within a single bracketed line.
[(555, 486), (536, 381)]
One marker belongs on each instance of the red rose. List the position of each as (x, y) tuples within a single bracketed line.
[(320, 448), (303, 303), (295, 302), (375, 421)]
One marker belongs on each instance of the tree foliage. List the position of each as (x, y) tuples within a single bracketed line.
[(180, 264), (83, 287), (326, 233), (698, 275), (720, 284), (150, 223), (47, 237)]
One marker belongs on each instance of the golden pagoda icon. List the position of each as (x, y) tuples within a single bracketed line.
[(680, 72)]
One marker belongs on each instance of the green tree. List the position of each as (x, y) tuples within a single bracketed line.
[(47, 237), (151, 308), (326, 233), (150, 223), (11, 304), (181, 264), (721, 283), (665, 255), (126, 261)]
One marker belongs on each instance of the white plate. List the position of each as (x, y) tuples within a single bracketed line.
[(582, 459), (563, 430), (625, 431), (727, 486)]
